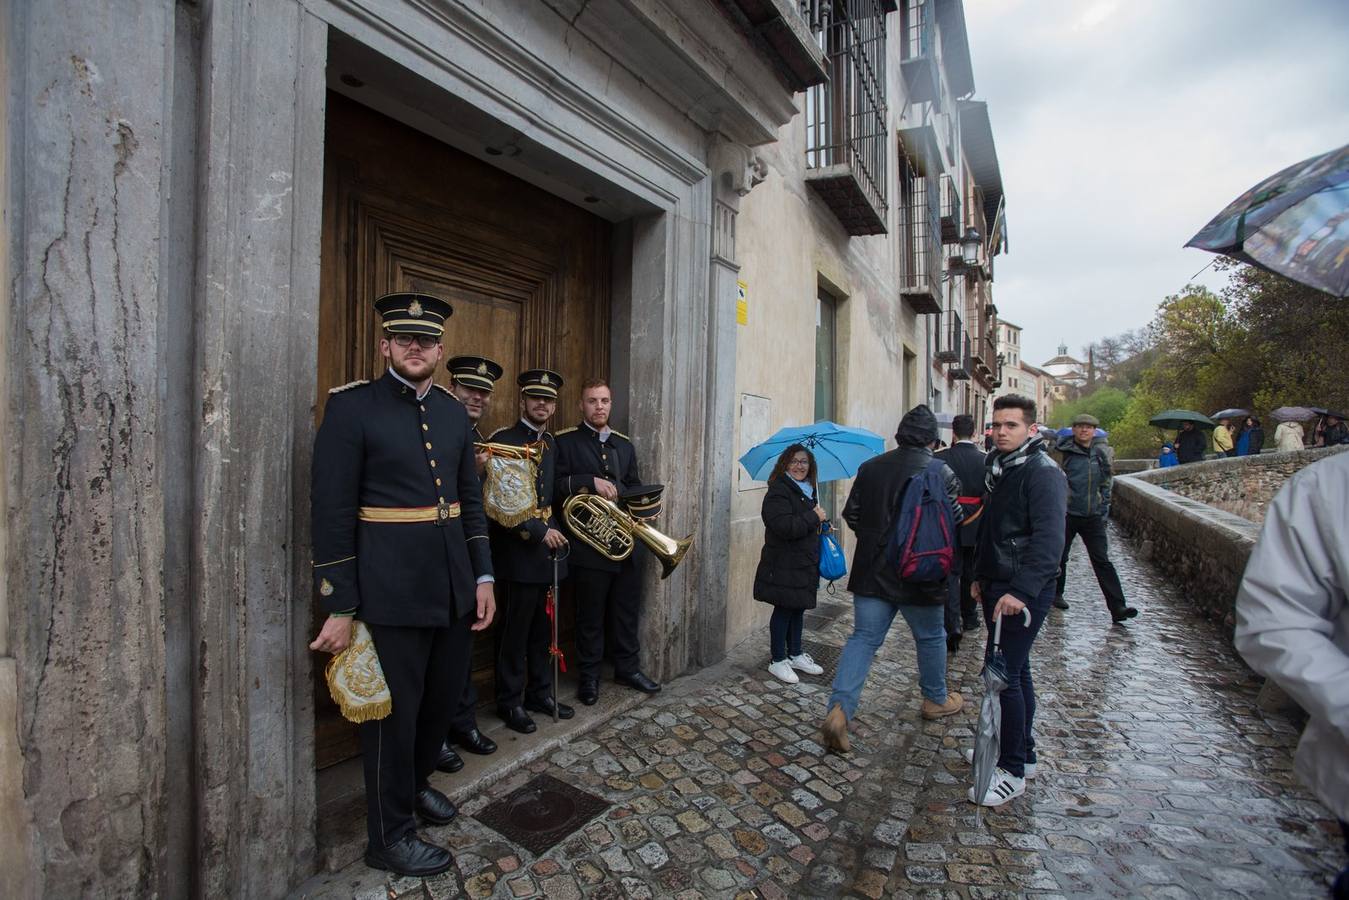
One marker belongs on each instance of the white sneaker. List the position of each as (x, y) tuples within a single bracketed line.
[(804, 663), (782, 670), (968, 753), (1004, 787)]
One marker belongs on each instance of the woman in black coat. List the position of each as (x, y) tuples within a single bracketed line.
[(789, 567)]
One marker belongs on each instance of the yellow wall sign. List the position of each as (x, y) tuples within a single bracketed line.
[(741, 303)]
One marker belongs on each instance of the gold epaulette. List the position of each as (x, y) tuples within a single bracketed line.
[(448, 391), (348, 386), (564, 431), (621, 434), (493, 435)]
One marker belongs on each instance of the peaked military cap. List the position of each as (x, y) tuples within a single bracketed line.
[(539, 383), (475, 372), (643, 500), (409, 312)]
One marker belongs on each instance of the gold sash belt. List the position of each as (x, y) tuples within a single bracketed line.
[(409, 513)]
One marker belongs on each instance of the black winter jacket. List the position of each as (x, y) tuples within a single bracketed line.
[(870, 512), (1021, 535), (1089, 476), (789, 566)]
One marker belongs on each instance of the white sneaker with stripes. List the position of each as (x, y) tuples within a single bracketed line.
[(968, 753), (1004, 787)]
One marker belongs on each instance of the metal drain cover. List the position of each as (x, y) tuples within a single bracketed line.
[(538, 815)]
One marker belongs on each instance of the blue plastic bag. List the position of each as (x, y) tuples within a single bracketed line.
[(833, 565)]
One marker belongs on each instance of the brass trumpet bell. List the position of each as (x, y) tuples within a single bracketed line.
[(531, 452), (610, 531)]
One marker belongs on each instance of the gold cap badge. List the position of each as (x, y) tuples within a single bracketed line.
[(415, 309), (545, 379), (326, 588), (482, 368)]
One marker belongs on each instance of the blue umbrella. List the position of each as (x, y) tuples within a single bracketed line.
[(1294, 223), (838, 450), (1067, 430)]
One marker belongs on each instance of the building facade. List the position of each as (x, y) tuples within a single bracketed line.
[(202, 199)]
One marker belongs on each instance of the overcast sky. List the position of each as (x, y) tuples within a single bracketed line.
[(1123, 126)]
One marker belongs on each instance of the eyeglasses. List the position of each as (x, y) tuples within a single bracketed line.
[(799, 462), (425, 341)]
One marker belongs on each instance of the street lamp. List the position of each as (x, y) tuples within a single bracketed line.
[(969, 246)]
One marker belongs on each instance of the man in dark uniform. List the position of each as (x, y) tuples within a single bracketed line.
[(472, 380), (400, 541), (522, 556), (967, 461), (593, 458)]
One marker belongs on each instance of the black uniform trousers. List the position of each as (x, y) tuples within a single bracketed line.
[(614, 597), (1092, 529), (962, 610), (524, 667), (424, 670), (464, 711)]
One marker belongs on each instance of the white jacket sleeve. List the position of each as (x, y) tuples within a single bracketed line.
[(1292, 595)]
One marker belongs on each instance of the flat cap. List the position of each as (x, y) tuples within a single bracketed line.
[(1084, 419)]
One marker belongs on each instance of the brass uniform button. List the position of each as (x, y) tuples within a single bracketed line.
[(428, 445)]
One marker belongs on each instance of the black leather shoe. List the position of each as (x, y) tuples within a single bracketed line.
[(545, 706), (1123, 615), (1060, 603), (411, 856), (474, 741), (589, 691), (435, 807), (517, 719), (639, 682), (952, 643), (449, 761)]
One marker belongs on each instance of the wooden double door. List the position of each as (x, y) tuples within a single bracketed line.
[(526, 272)]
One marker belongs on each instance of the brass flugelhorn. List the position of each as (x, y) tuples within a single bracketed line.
[(531, 452), (610, 530)]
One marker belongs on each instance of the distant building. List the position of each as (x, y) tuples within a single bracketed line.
[(1072, 372)]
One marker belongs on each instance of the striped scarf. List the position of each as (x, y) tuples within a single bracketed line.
[(999, 463)]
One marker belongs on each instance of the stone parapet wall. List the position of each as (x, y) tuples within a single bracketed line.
[(1202, 546), (1242, 485)]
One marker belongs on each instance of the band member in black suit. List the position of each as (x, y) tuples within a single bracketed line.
[(594, 458), (522, 555), (967, 461), (472, 381), (400, 541)]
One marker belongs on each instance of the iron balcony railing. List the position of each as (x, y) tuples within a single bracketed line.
[(845, 118), (951, 232), (950, 349), (918, 56), (923, 258)]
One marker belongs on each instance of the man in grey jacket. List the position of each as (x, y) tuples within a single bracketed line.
[(1085, 457), (1293, 623)]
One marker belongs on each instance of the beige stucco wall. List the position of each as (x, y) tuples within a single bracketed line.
[(790, 245)]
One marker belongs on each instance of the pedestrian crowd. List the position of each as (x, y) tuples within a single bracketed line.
[(950, 540), (1245, 436)]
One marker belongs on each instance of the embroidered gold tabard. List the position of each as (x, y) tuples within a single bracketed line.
[(356, 679)]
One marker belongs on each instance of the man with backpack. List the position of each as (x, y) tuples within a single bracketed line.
[(904, 509)]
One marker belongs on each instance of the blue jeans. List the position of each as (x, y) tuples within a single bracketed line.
[(784, 632), (871, 622), (1018, 701)]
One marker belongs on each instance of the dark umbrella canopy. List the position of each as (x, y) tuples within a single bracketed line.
[(1294, 223), (1173, 418), (1235, 412), (1293, 414)]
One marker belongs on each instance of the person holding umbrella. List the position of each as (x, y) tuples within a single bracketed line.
[(1335, 431), (1289, 435), (1222, 438), (1015, 566), (1190, 443), (789, 566)]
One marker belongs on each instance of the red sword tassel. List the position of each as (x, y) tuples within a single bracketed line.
[(550, 607)]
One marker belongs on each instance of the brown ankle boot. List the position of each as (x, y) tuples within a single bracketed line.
[(835, 730), (954, 704)]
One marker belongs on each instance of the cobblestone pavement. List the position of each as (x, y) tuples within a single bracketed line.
[(1158, 777)]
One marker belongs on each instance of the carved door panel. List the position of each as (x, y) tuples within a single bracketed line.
[(526, 272)]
